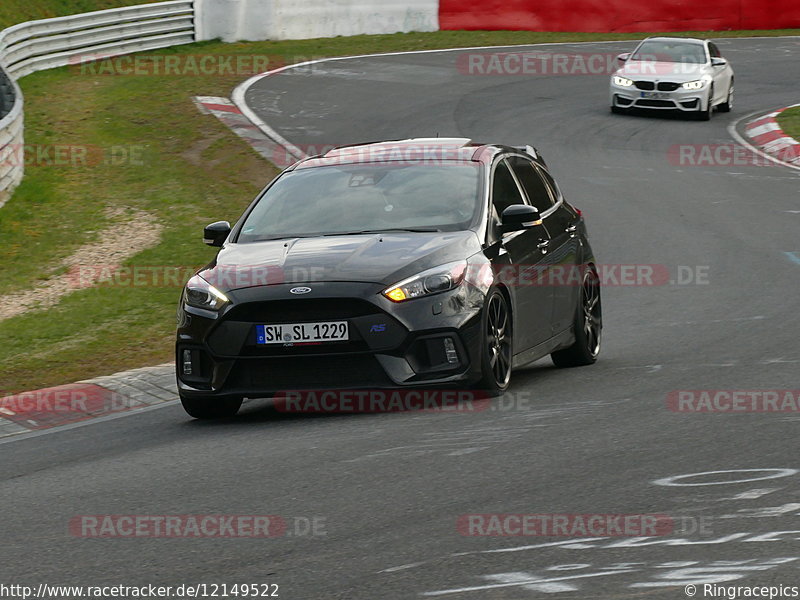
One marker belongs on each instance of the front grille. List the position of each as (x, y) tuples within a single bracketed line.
[(668, 86), (645, 85), (659, 103), (301, 310), (319, 372)]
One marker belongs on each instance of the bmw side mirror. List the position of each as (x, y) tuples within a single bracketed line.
[(623, 57), (716, 61), (519, 216), (216, 233)]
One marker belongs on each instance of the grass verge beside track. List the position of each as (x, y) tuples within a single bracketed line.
[(789, 120), (188, 170)]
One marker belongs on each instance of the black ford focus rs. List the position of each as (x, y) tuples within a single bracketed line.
[(405, 264)]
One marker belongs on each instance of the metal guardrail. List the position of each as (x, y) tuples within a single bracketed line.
[(11, 136), (49, 43)]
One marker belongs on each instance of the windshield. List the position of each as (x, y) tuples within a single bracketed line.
[(360, 198), (670, 51)]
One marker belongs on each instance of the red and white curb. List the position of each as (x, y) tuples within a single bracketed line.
[(766, 135), (87, 400), (227, 112)]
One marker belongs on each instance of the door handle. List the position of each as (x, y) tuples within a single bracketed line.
[(542, 245), (571, 230)]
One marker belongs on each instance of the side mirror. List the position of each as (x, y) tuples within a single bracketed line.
[(216, 233), (716, 61), (519, 216), (623, 57)]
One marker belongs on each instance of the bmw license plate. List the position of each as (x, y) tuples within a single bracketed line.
[(655, 95), (299, 333)]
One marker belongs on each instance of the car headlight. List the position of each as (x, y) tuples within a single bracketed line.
[(433, 281), (622, 81), (693, 85), (201, 294)]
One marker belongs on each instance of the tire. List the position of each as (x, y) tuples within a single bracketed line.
[(588, 326), (496, 344), (727, 106), (211, 408), (705, 115)]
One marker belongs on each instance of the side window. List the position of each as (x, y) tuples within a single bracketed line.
[(504, 189), (539, 194), (713, 50), (551, 184)]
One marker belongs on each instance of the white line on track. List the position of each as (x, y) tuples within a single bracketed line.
[(33, 434)]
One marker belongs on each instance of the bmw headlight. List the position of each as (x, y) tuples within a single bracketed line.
[(693, 85), (201, 294), (622, 81), (433, 281)]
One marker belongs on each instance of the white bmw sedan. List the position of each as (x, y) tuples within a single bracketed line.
[(670, 73)]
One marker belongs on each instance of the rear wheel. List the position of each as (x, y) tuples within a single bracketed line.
[(588, 326), (727, 106), (211, 408), (496, 353)]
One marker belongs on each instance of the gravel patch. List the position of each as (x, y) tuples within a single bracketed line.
[(133, 232)]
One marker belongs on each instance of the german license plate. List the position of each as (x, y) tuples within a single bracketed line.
[(297, 333), (655, 95)]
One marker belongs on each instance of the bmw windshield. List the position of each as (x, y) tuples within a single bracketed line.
[(669, 51), (357, 198)]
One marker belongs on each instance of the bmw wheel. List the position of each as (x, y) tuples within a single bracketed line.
[(705, 115), (727, 106)]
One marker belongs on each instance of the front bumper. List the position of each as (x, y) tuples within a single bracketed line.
[(392, 345), (680, 99)]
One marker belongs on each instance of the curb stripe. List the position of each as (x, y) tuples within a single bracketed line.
[(766, 134)]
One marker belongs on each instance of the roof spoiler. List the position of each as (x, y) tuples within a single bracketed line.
[(530, 150)]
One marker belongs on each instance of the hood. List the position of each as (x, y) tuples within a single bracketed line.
[(662, 71), (384, 258)]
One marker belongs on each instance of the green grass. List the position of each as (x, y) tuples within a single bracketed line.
[(789, 120), (18, 11), (193, 171)]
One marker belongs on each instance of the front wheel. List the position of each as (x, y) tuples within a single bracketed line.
[(211, 408), (705, 115), (588, 326), (727, 106), (497, 349)]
